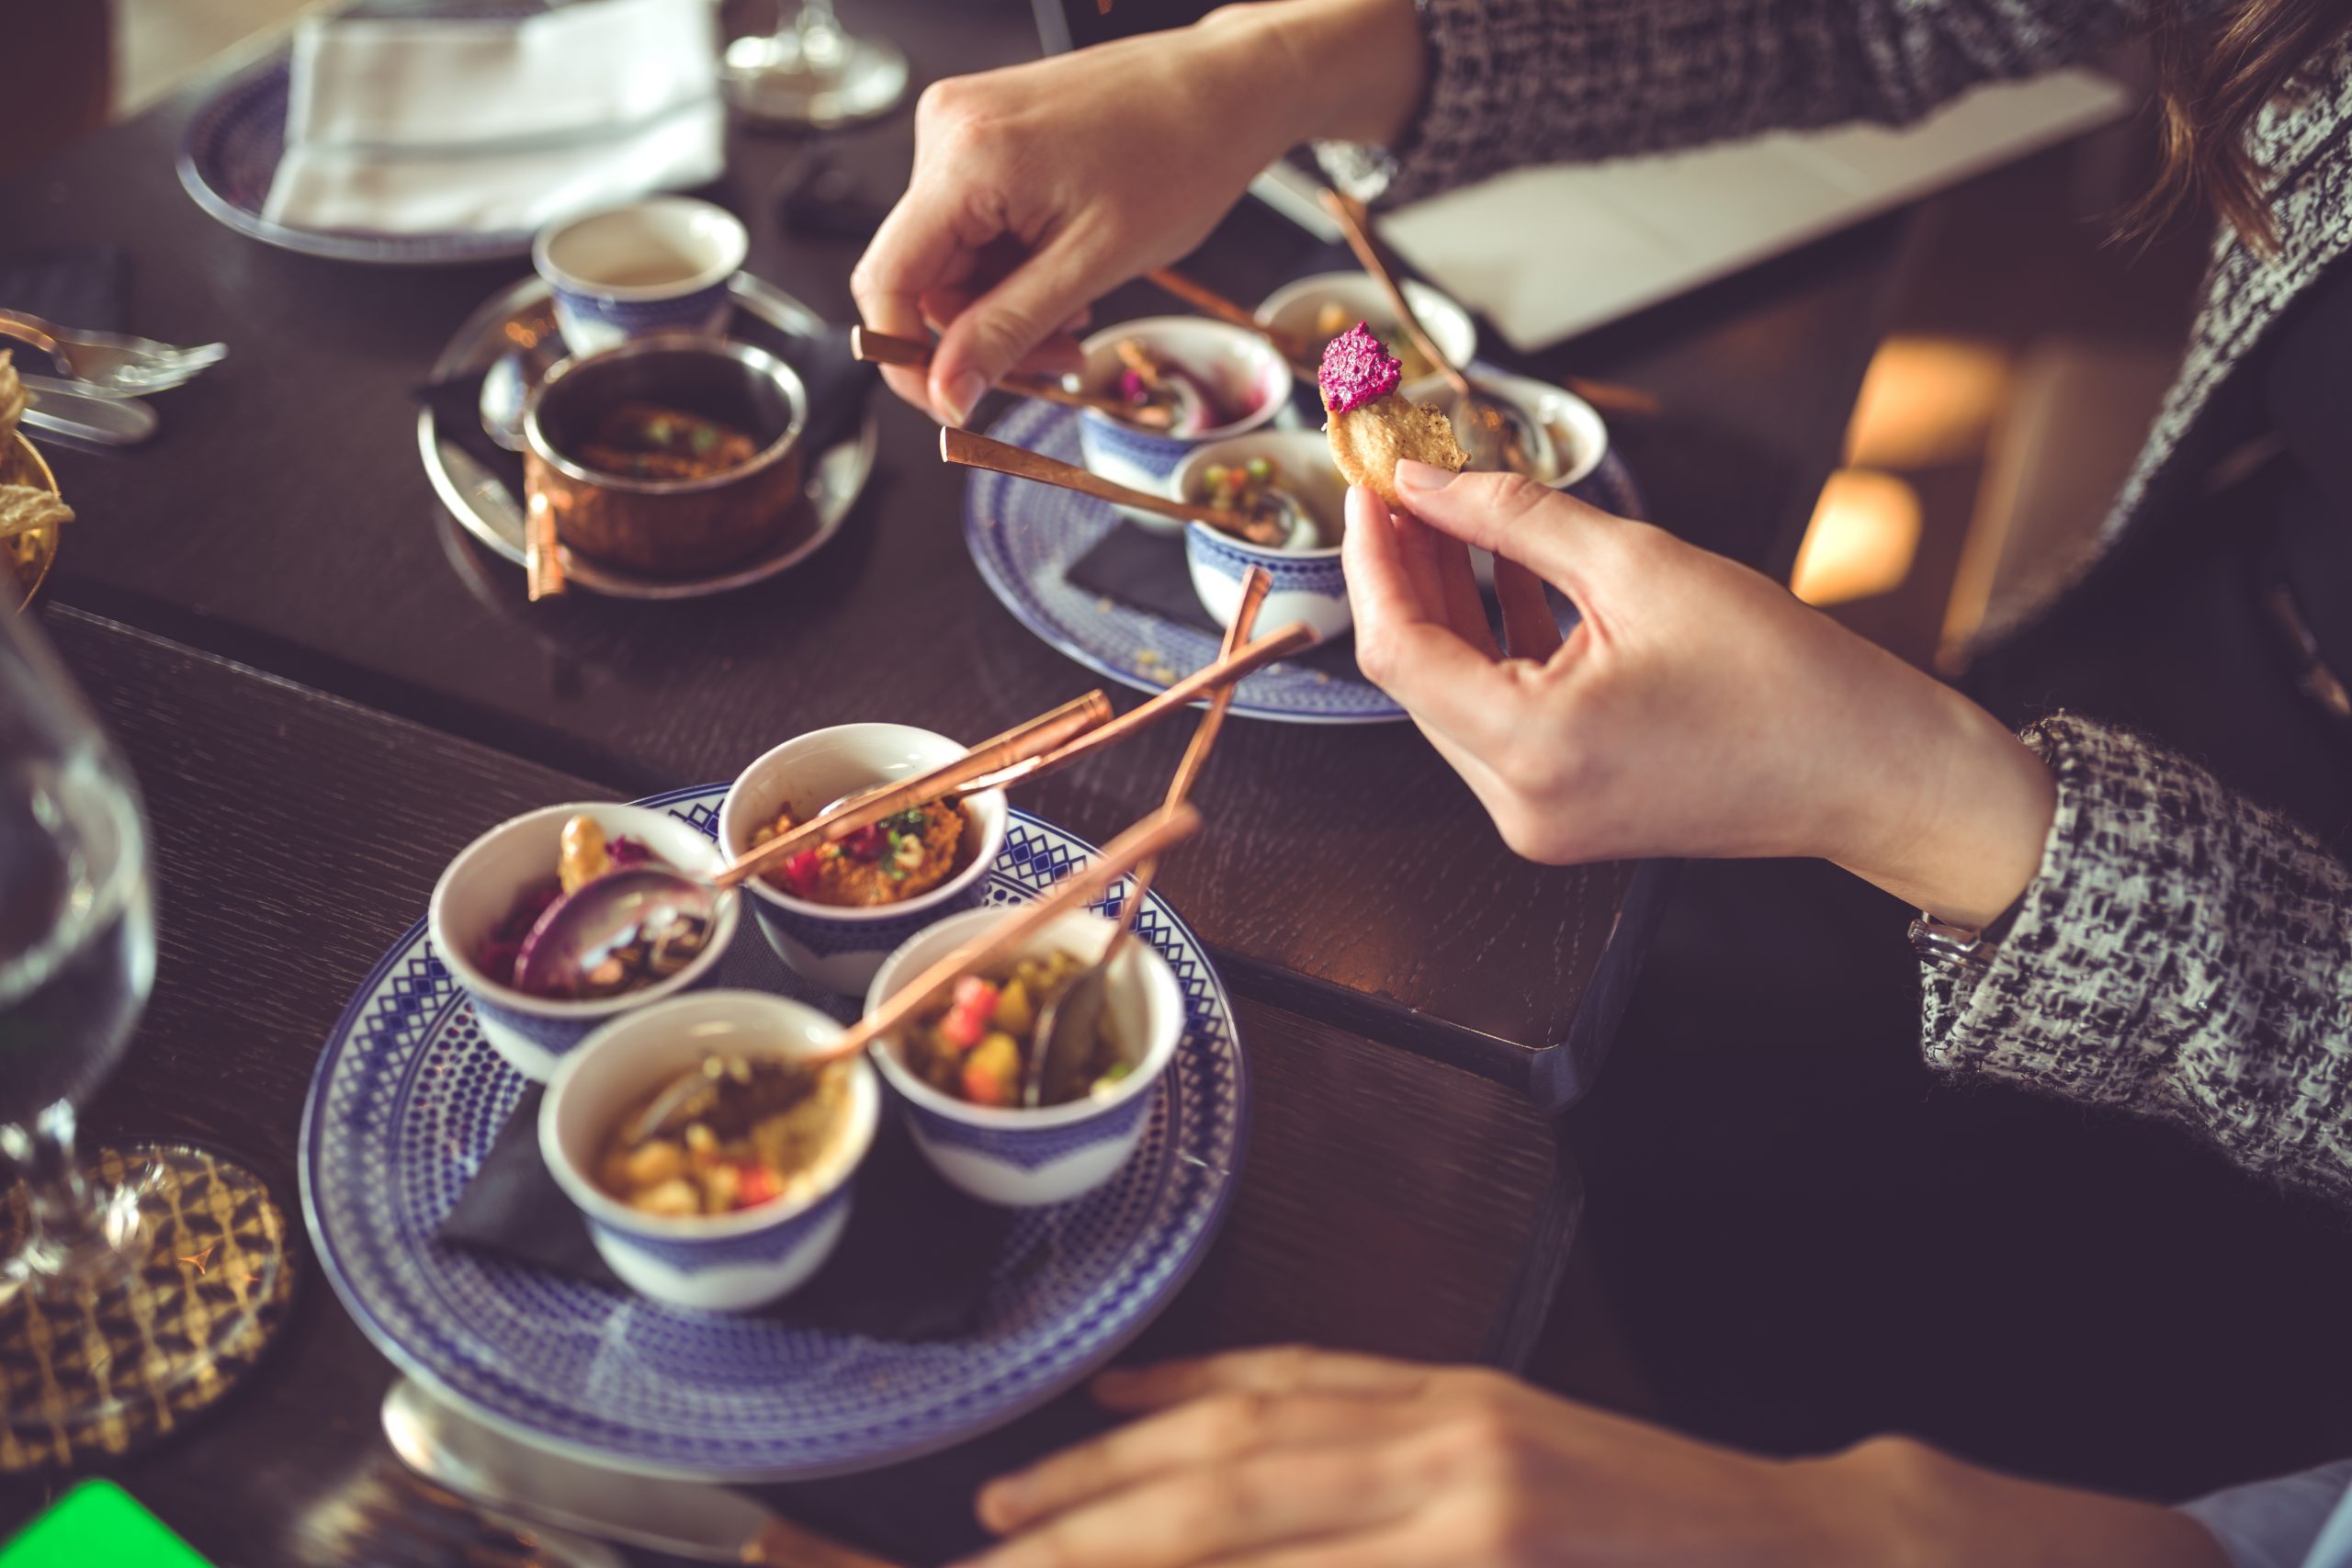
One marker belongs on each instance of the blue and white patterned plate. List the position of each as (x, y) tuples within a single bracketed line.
[(233, 146), (1025, 536), (408, 1098)]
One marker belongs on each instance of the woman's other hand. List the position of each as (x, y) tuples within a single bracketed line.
[(1698, 709), (1303, 1458), (1038, 187)]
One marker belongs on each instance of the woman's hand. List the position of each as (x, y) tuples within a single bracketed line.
[(1698, 709), (1037, 188), (1302, 1459)]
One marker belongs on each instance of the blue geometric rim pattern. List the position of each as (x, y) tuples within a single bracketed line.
[(408, 1098), (1029, 1149), (230, 152), (1024, 537)]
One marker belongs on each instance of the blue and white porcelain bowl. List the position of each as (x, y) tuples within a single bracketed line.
[(1028, 1158), (711, 1262), (1308, 585), (479, 889), (837, 947), (1241, 369), (1295, 309), (660, 265)]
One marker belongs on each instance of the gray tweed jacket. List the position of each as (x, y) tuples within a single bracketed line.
[(2182, 952)]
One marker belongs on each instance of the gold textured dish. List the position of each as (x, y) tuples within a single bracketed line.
[(27, 556)]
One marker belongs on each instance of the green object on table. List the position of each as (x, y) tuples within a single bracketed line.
[(98, 1522)]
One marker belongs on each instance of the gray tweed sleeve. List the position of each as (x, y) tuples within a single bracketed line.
[(1517, 81), (2182, 953)]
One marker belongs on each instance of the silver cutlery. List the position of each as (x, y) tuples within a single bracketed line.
[(708, 1523), (388, 1517), (70, 409), (112, 362)]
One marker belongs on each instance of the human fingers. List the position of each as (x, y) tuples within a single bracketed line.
[(1529, 630), (1214, 1429), (1564, 540), (1193, 1517), (1405, 641), (1004, 325), (1277, 1369), (927, 243)]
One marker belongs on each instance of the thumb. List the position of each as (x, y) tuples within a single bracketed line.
[(1001, 327), (1517, 518)]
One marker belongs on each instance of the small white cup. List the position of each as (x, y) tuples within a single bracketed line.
[(1293, 306), (1235, 363), (840, 948), (713, 1262), (1308, 585), (1028, 1158), (660, 265), (478, 889)]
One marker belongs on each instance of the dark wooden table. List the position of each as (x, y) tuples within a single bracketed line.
[(330, 689), (1388, 1202), (282, 518)]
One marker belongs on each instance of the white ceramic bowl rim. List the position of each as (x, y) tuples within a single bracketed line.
[(730, 261), (1250, 342), (461, 964), (1526, 393), (864, 1112), (858, 913), (1146, 1072), (1195, 461)]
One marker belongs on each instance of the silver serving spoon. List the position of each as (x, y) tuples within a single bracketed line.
[(1501, 436), (571, 948), (680, 1519), (533, 350), (1062, 1045)]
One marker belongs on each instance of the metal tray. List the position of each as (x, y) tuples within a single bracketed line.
[(485, 508)]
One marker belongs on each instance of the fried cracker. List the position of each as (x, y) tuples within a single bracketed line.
[(1369, 440), (13, 397)]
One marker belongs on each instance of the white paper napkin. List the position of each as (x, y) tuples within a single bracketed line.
[(439, 126)]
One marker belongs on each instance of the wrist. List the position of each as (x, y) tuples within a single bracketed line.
[(1900, 1504), (1958, 830), (1333, 70)]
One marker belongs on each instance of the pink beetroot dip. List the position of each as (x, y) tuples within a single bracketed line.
[(1356, 369)]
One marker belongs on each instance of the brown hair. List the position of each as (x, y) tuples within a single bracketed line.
[(2214, 73)]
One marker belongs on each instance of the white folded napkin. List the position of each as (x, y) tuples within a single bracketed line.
[(439, 126)]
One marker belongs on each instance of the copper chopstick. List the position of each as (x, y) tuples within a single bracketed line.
[(1296, 637), (1255, 584), (1042, 736), (1357, 226), (881, 348), (1609, 397), (1147, 840), (977, 451), (1208, 301)]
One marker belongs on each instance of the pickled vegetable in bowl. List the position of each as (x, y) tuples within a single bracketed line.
[(585, 853), (974, 1046), (899, 858), (759, 1133)]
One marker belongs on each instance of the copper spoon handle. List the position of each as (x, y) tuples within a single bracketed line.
[(1255, 584), (1162, 830), (1205, 682), (881, 348), (1358, 228), (542, 552), (976, 451), (1038, 736), (1209, 302)]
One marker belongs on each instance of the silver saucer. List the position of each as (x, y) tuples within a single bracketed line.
[(483, 506)]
